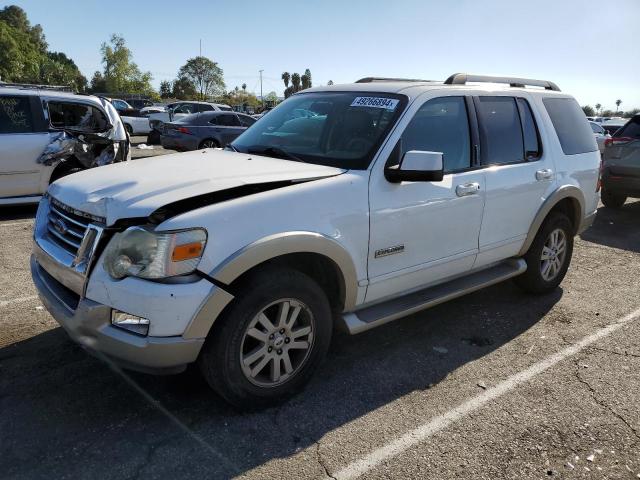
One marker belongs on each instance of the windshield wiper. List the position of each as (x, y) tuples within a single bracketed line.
[(231, 147), (276, 152)]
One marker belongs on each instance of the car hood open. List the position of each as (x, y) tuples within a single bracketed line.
[(136, 189)]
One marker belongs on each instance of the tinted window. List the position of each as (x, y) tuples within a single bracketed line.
[(596, 128), (500, 130), (246, 120), (631, 129), (441, 125), (228, 120), (203, 107), (225, 109), (529, 130), (15, 115), (184, 108), (76, 116), (571, 125)]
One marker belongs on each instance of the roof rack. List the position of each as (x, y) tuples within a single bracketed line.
[(384, 79), (463, 78), (62, 88)]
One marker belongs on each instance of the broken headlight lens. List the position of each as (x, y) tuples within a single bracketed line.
[(138, 252)]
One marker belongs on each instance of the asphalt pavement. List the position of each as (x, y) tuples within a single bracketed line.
[(497, 384)]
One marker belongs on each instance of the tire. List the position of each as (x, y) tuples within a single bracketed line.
[(209, 143), (153, 138), (128, 128), (63, 172), (612, 200), (230, 355), (543, 275)]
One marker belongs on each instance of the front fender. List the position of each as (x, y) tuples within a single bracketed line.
[(285, 243)]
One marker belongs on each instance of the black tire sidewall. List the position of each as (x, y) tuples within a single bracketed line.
[(532, 279), (612, 200), (220, 358)]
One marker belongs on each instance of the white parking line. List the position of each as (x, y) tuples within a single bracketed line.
[(15, 224), (4, 303), (435, 425)]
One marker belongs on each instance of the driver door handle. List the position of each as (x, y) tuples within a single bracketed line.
[(467, 189), (544, 174)]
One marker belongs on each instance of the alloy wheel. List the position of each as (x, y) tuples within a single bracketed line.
[(553, 254)]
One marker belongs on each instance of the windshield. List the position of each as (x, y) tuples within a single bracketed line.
[(339, 129)]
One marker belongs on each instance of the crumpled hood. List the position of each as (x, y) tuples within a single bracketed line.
[(137, 188)]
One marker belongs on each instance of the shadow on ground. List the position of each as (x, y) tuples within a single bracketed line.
[(617, 228), (21, 212), (77, 417)]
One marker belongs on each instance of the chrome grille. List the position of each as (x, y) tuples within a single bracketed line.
[(66, 228)]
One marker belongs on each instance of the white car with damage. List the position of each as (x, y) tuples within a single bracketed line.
[(394, 196)]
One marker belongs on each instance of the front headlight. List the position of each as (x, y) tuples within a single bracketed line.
[(139, 252)]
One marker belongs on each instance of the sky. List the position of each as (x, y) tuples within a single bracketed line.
[(588, 47)]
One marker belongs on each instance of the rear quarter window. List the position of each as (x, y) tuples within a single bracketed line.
[(571, 126), (15, 115), (631, 129)]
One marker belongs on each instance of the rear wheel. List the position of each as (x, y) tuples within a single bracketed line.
[(612, 200), (268, 343), (549, 256), (209, 143)]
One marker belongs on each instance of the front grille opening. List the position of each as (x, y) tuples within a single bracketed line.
[(66, 229), (69, 298)]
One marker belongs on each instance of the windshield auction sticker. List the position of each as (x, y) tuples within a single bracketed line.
[(375, 102)]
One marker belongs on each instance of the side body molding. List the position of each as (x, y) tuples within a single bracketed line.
[(566, 191), (291, 242)]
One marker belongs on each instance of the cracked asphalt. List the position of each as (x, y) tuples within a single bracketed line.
[(64, 414)]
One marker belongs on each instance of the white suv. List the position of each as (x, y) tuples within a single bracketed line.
[(46, 134), (391, 196)]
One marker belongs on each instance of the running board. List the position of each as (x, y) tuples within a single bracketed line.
[(379, 314)]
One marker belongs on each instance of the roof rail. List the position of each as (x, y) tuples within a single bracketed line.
[(463, 78), (384, 79), (29, 86)]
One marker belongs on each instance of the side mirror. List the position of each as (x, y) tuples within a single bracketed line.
[(417, 166)]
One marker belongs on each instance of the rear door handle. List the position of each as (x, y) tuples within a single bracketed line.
[(467, 189), (544, 174)]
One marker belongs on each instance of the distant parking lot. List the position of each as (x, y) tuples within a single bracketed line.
[(383, 403), (146, 150)]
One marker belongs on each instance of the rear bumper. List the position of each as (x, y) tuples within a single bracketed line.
[(173, 143), (89, 324)]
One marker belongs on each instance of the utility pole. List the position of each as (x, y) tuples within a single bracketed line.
[(261, 97)]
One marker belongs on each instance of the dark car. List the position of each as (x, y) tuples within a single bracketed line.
[(621, 165), (204, 130), (139, 103)]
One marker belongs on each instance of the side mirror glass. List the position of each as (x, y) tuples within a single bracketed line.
[(417, 166)]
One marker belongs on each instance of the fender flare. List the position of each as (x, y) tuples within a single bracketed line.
[(280, 244), (566, 191)]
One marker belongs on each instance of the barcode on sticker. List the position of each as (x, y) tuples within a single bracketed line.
[(375, 102)]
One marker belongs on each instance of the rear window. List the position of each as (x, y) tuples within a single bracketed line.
[(631, 129), (571, 125), (15, 115)]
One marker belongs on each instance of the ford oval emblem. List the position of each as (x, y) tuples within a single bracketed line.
[(60, 226)]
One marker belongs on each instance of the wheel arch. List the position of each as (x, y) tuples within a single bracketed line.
[(569, 200), (213, 139)]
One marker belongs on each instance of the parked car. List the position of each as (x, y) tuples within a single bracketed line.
[(47, 134), (600, 135), (396, 196), (123, 108), (139, 103), (204, 130), (175, 111), (612, 126), (136, 125), (621, 165)]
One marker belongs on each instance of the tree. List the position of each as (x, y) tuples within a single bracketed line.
[(98, 85), (205, 75), (165, 89), (330, 82), (58, 69), (588, 110), (244, 87), (121, 74), (184, 89), (307, 76), (598, 107), (618, 102), (271, 97), (295, 82), (286, 77)]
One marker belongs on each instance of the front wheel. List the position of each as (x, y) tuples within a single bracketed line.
[(268, 343), (549, 256), (209, 143)]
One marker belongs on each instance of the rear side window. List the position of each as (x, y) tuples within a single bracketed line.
[(571, 125), (15, 115), (500, 130), (441, 125), (595, 128), (631, 129), (228, 120), (77, 116), (246, 120)]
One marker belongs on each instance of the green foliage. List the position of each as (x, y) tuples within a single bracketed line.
[(588, 111), (24, 57), (205, 75), (271, 97), (165, 89), (298, 82), (121, 74), (184, 89)]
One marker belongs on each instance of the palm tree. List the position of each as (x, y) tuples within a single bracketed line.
[(330, 82), (618, 102), (295, 81), (286, 77), (598, 107), (244, 87)]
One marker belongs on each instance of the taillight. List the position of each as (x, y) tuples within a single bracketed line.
[(610, 142), (599, 182), (183, 130)]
